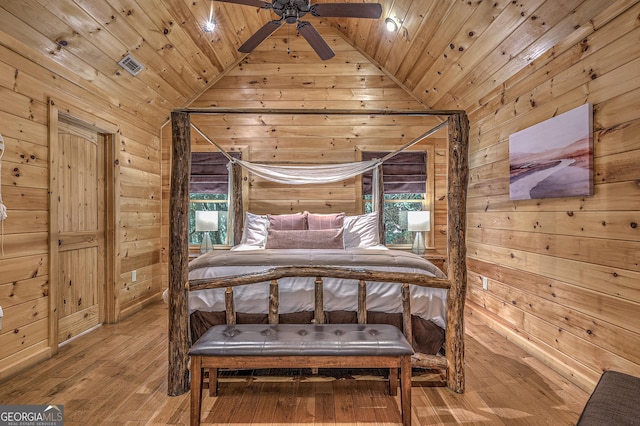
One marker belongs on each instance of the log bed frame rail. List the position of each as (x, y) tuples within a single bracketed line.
[(179, 284)]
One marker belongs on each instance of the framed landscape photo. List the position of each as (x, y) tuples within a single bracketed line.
[(553, 158)]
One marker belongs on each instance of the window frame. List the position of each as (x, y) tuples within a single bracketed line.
[(243, 151), (429, 197)]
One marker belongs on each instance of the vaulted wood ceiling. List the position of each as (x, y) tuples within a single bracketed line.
[(444, 50)]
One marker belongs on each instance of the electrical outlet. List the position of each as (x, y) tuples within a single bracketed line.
[(133, 276), (485, 283)]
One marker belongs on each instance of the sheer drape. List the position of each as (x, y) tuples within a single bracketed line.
[(298, 175)]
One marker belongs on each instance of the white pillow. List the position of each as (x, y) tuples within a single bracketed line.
[(254, 232), (361, 231)]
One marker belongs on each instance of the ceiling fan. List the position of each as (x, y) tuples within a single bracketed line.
[(290, 11)]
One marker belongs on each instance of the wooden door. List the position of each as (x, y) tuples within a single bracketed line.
[(80, 230)]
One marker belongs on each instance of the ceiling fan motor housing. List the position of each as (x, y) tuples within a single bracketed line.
[(291, 16), (291, 10)]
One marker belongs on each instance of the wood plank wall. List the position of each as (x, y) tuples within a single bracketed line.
[(25, 87), (270, 78), (564, 274)]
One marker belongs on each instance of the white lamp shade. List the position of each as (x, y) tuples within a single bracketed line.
[(206, 221), (418, 221)]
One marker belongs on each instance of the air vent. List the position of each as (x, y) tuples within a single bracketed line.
[(131, 64)]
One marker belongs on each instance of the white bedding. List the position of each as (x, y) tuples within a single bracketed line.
[(297, 294)]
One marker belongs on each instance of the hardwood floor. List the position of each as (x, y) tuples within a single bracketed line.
[(116, 375)]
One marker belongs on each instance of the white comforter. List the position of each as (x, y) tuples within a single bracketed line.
[(297, 294)]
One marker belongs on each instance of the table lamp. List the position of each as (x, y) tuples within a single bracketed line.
[(206, 221), (418, 222)]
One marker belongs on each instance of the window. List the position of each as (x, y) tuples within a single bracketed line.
[(404, 178), (208, 190)]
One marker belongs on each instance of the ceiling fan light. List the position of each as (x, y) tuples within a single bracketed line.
[(391, 24)]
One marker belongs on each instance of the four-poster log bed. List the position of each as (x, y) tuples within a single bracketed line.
[(454, 283)]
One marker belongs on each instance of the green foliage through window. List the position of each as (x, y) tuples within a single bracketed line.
[(396, 207)]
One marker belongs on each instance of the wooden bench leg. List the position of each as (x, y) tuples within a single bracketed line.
[(196, 390), (405, 389), (393, 381), (213, 382)]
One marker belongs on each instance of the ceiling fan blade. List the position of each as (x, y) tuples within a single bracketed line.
[(347, 10), (259, 36), (315, 40), (256, 3)]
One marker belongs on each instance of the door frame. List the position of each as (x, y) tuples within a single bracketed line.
[(107, 296)]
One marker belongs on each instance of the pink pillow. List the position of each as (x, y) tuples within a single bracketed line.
[(325, 221), (305, 239), (287, 222)]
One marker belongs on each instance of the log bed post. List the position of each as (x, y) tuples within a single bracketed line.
[(458, 166), (379, 207), (406, 312), (238, 209), (178, 374)]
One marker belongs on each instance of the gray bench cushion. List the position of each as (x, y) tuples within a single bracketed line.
[(614, 401), (305, 339)]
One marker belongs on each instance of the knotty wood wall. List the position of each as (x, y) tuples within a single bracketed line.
[(25, 88), (564, 275)]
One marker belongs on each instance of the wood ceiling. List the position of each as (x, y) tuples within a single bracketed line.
[(446, 51)]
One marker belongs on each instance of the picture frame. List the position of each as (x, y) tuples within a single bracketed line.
[(553, 158)]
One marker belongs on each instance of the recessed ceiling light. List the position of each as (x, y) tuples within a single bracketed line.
[(391, 24), (210, 25)]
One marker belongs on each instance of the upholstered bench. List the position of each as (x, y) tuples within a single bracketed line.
[(614, 401), (248, 346)]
